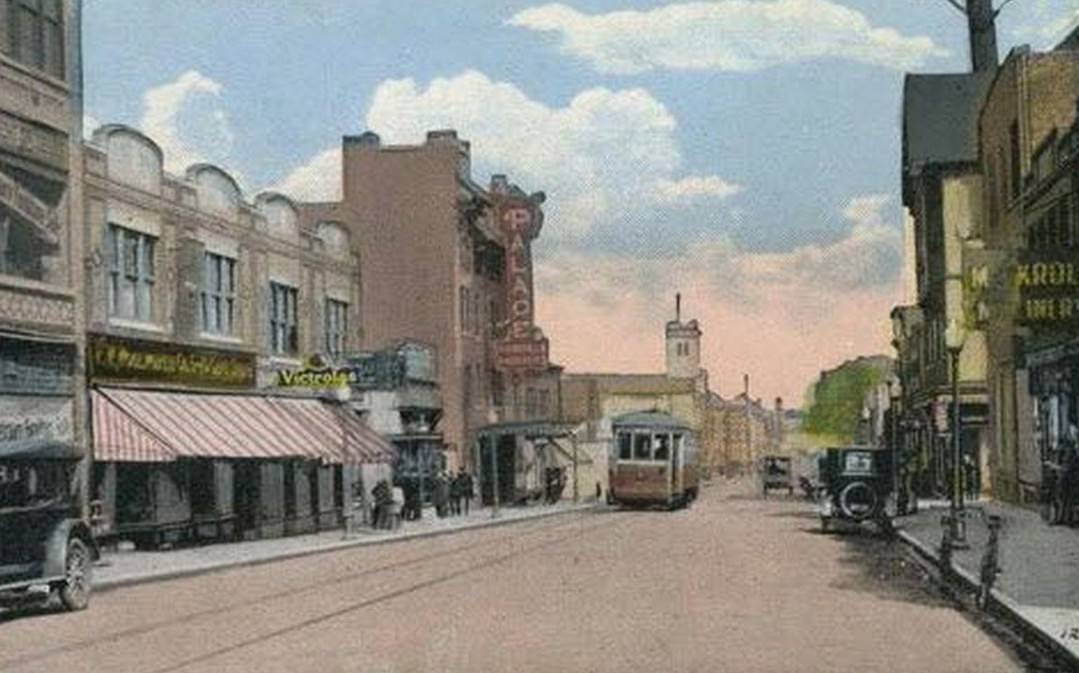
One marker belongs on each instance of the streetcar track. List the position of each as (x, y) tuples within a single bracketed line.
[(367, 603), (143, 629)]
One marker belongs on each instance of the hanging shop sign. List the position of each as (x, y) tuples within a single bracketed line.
[(523, 347), (317, 375), (112, 359)]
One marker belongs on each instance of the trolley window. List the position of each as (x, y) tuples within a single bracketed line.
[(677, 442), (642, 447), (625, 446), (663, 446)]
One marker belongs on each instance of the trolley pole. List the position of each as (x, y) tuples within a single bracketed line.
[(576, 486), (421, 469), (494, 477)]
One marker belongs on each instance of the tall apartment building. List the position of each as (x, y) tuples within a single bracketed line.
[(447, 262), (40, 213)]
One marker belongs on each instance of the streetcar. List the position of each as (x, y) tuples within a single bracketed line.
[(653, 461)]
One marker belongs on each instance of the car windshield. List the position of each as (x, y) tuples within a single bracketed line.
[(858, 462), (30, 483)]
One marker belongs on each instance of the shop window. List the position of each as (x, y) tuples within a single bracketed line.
[(218, 299), (22, 251), (336, 320), (284, 333), (131, 273), (32, 34)]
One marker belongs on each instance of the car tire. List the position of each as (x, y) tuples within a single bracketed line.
[(845, 504), (78, 569)]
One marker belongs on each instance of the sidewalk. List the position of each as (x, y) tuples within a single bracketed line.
[(1039, 583), (117, 569)]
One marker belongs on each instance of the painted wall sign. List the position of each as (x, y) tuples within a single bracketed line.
[(23, 418), (1048, 287), (130, 360)]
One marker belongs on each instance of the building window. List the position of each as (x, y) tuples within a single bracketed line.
[(284, 335), (218, 299), (336, 326), (131, 273), (1016, 170), (31, 32)]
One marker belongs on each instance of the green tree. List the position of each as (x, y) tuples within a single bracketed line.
[(835, 402)]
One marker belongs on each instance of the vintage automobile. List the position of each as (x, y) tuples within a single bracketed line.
[(856, 483), (46, 550), (776, 473)]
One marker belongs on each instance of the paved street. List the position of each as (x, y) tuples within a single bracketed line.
[(733, 584)]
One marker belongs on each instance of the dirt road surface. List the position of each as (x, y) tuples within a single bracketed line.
[(732, 584)]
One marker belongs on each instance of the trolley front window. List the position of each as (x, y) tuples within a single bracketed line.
[(625, 446), (663, 445), (642, 447)]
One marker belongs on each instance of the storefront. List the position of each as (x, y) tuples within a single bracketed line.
[(515, 460), (174, 464)]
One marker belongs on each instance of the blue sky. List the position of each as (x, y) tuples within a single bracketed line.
[(753, 141)]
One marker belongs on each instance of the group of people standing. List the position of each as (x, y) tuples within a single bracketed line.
[(452, 494)]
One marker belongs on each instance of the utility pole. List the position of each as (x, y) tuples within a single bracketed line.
[(981, 31)]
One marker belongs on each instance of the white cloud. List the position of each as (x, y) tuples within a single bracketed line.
[(185, 118), (692, 188), (731, 35), (596, 157), (317, 180)]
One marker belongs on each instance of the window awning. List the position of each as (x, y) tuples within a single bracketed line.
[(151, 426)]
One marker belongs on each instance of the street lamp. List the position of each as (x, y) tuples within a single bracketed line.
[(894, 394), (954, 336)]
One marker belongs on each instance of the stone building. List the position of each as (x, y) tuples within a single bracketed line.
[(41, 267), (447, 262), (203, 312)]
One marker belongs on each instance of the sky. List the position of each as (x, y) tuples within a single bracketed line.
[(742, 152)]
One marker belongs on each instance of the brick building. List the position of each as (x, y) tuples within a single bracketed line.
[(40, 213), (447, 262)]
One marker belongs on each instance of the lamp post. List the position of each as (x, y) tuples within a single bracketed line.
[(954, 336), (894, 394)]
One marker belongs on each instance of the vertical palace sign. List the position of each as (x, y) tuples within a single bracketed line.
[(523, 348)]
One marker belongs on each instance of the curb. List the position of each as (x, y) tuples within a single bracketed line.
[(103, 586), (1004, 603)]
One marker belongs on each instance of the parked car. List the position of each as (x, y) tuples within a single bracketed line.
[(46, 550), (856, 483), (776, 473)]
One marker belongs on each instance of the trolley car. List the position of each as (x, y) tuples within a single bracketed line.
[(653, 461)]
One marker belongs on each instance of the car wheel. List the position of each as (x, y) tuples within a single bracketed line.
[(78, 565)]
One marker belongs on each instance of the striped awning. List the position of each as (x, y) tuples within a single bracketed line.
[(120, 438), (228, 426)]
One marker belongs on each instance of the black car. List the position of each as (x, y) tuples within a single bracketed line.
[(855, 484), (46, 550)]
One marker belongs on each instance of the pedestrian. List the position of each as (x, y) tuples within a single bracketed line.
[(455, 495), (441, 494), (466, 488)]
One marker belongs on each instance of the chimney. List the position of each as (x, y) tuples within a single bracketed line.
[(981, 24), (745, 384), (678, 307)]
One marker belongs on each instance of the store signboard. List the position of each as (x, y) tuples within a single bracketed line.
[(1048, 285), (114, 359)]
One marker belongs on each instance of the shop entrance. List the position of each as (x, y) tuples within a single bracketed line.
[(246, 502)]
